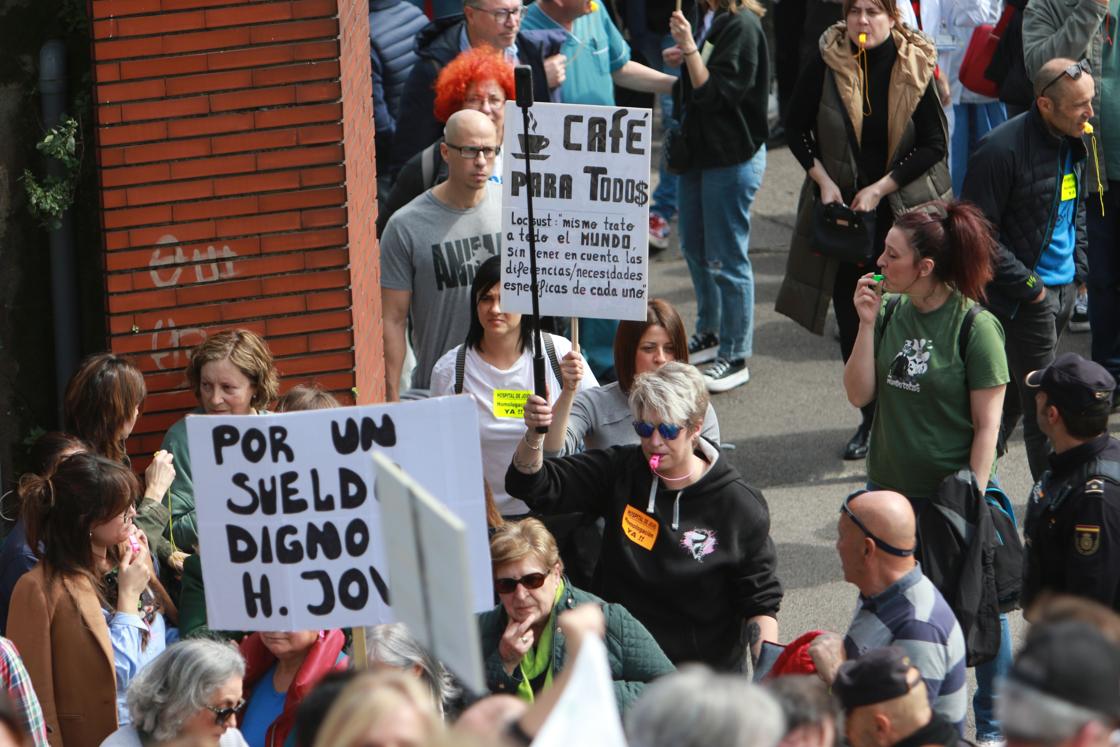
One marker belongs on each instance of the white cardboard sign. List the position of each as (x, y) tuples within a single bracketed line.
[(430, 575), (591, 193), (288, 519)]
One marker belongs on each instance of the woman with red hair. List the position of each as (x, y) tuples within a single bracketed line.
[(478, 79)]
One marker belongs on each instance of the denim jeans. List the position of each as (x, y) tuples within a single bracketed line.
[(1032, 339), (970, 123), (1104, 276), (715, 226), (665, 196), (987, 679)]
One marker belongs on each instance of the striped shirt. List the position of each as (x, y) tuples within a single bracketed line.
[(15, 682), (912, 614)]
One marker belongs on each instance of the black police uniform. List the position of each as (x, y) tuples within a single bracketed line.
[(1073, 525)]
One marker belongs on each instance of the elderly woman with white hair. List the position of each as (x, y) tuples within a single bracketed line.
[(392, 647), (191, 691), (687, 545)]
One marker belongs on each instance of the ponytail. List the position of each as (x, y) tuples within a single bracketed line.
[(960, 241)]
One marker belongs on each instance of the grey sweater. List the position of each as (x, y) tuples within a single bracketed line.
[(601, 418)]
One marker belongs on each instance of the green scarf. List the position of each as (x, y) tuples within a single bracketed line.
[(539, 658)]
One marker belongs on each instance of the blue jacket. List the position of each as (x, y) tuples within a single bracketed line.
[(436, 46), (393, 26)]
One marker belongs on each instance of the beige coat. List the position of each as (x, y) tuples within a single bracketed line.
[(61, 633), (807, 288)]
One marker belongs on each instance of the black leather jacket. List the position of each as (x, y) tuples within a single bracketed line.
[(1015, 177)]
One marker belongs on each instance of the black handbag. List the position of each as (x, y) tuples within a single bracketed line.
[(842, 233)]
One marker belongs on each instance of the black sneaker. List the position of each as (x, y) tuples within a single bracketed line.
[(1079, 320), (856, 447), (726, 374), (702, 348)]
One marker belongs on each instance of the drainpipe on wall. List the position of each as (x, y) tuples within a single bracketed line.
[(64, 292)]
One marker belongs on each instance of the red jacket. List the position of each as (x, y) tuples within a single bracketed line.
[(324, 657)]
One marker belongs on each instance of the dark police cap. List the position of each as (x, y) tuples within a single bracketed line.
[(1074, 384), (880, 674), (1072, 661)]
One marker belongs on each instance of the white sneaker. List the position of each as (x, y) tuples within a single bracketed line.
[(725, 374), (702, 348)]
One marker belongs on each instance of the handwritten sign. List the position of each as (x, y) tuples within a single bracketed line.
[(431, 582), (289, 523), (591, 193)]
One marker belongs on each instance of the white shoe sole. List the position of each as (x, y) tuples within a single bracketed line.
[(728, 382), (703, 356), (659, 243)]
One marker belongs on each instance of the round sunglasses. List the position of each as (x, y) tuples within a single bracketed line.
[(668, 431)]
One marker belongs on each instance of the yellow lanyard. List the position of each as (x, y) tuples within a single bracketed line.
[(1088, 129), (861, 61)]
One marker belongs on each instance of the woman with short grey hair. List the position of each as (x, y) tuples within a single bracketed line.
[(695, 707), (393, 646), (687, 547), (192, 690)]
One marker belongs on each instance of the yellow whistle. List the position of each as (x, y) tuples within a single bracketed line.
[(862, 38), (1087, 128), (594, 6)]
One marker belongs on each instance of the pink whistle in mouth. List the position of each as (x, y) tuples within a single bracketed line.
[(654, 462), (134, 544)]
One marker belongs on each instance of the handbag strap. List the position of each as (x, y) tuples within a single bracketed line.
[(1004, 20)]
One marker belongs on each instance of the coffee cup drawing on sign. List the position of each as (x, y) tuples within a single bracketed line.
[(531, 147)]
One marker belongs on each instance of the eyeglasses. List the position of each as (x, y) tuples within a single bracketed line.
[(502, 15), (530, 581), (884, 546), (222, 715), (477, 102), (471, 152), (1074, 71), (668, 431)]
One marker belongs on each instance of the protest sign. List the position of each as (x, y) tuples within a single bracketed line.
[(289, 525), (430, 584), (587, 711), (591, 192)]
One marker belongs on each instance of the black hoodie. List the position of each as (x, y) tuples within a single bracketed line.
[(692, 569)]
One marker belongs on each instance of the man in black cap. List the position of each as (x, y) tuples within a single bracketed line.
[(885, 702), (1073, 515), (1063, 690)]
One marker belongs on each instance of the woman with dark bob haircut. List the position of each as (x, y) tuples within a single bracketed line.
[(600, 417), (498, 357), (232, 373), (90, 615), (101, 405)]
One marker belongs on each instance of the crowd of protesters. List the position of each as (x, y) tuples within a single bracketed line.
[(613, 513)]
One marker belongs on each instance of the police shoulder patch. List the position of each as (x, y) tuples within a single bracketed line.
[(1087, 538), (1094, 486)]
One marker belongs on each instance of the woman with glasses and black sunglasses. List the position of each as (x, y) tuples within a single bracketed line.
[(522, 648), (687, 544), (192, 692)]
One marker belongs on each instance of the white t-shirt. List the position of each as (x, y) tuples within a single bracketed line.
[(127, 736), (499, 431)]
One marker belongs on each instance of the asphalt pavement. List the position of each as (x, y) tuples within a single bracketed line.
[(789, 424)]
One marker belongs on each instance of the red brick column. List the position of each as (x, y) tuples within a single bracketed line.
[(238, 185)]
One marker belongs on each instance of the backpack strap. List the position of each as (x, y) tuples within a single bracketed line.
[(428, 165), (550, 351), (460, 367), (966, 328), (888, 312)]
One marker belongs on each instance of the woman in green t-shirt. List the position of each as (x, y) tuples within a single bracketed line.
[(938, 410), (937, 413)]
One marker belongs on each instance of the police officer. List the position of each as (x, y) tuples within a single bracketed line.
[(1073, 516)]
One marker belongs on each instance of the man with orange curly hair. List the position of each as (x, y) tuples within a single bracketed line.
[(493, 23), (431, 248)]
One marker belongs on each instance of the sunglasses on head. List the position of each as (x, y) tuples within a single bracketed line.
[(1074, 71), (668, 431), (884, 546), (529, 581), (222, 715)]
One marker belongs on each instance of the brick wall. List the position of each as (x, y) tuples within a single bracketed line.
[(236, 155)]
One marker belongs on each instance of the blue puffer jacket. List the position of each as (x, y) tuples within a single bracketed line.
[(393, 26)]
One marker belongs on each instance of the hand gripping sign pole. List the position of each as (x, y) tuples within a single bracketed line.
[(523, 80)]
